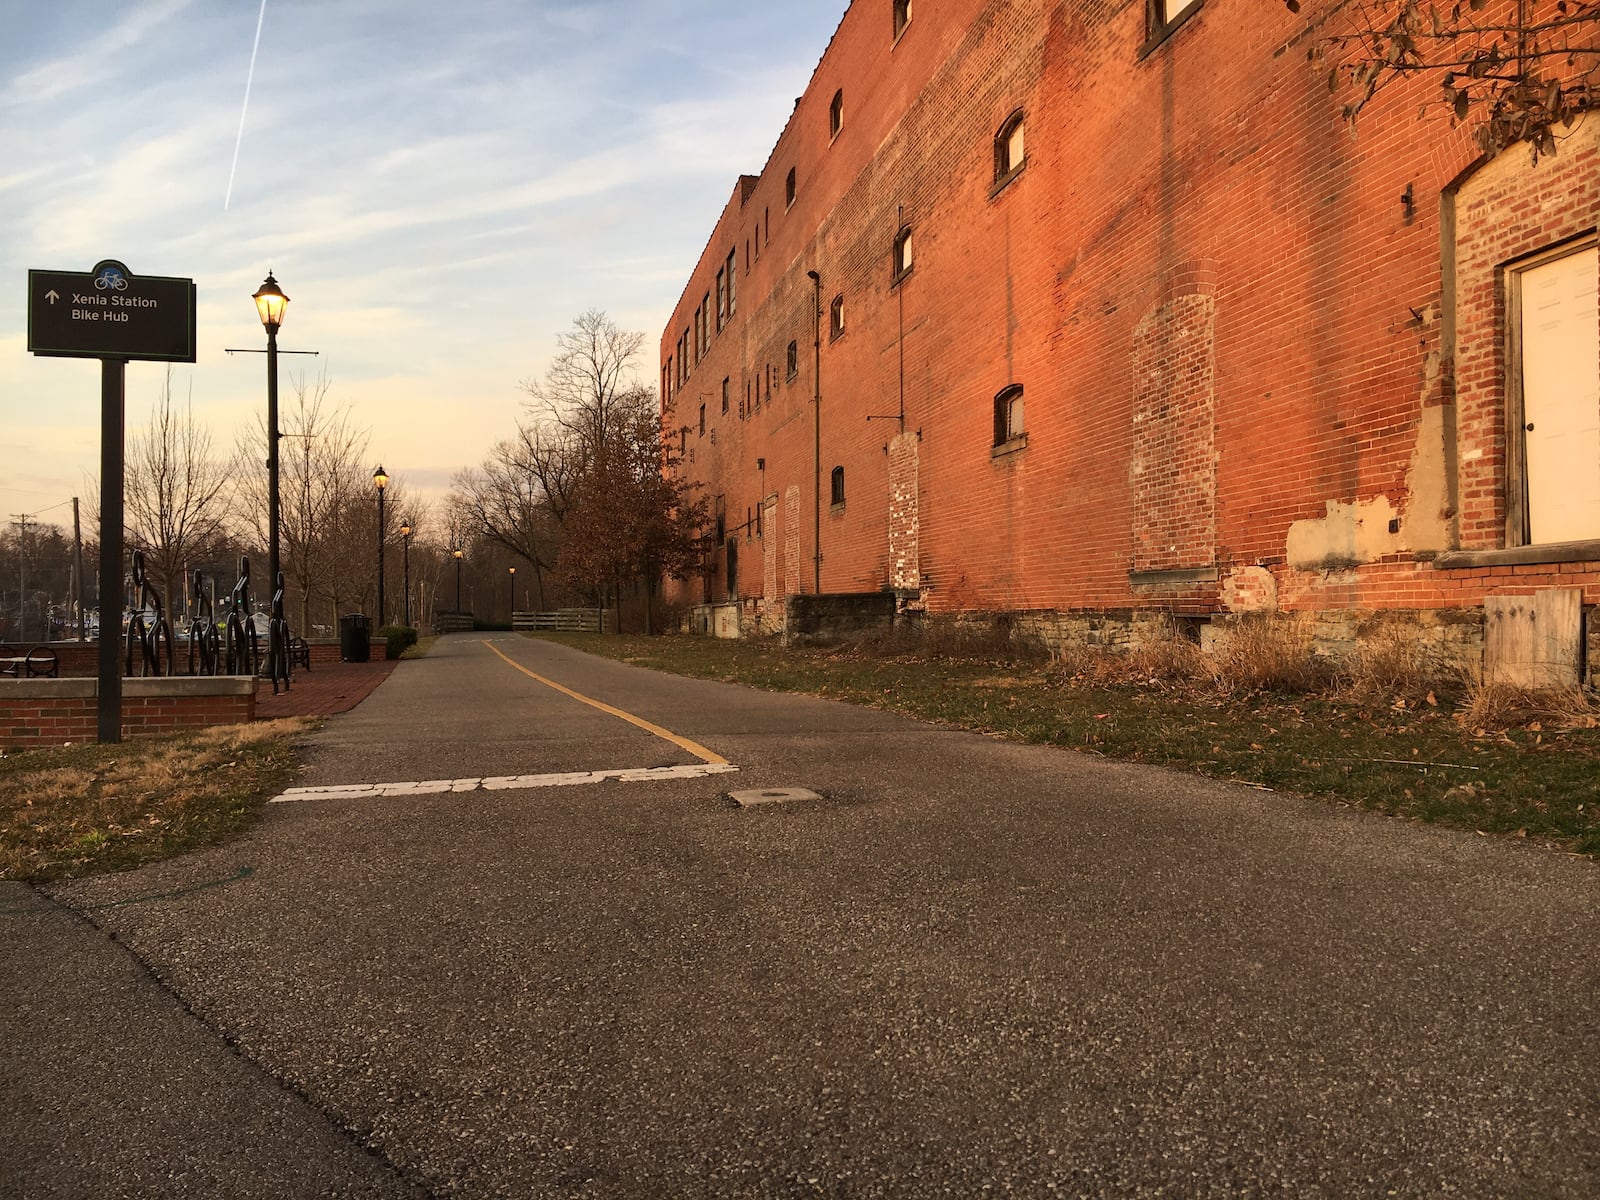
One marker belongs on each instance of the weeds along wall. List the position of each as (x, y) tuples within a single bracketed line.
[(1109, 315)]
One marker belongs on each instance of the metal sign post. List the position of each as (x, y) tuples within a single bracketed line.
[(113, 315)]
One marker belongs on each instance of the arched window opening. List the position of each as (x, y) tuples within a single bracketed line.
[(1009, 150), (1008, 424)]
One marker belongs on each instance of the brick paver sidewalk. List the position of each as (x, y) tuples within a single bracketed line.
[(335, 688)]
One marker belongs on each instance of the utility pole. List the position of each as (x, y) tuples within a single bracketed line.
[(21, 523), (77, 566)]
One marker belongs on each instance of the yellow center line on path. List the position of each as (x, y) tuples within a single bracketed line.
[(683, 743)]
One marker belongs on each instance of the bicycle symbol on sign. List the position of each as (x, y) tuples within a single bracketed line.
[(112, 279)]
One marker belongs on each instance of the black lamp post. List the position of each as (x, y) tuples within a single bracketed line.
[(512, 612), (458, 580), (381, 478), (271, 304), (405, 549)]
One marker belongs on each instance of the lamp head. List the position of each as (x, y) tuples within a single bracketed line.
[(405, 528), (271, 302), (458, 553), (513, 570), (380, 477)]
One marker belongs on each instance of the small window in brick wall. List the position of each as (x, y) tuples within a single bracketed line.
[(1167, 15), (836, 317), (724, 395), (791, 361), (1009, 149), (902, 16), (836, 114), (788, 188), (702, 420), (838, 485), (902, 254), (1008, 424)]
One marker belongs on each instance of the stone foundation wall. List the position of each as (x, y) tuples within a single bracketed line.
[(812, 619), (1448, 642)]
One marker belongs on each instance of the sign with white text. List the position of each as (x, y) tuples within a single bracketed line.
[(111, 313)]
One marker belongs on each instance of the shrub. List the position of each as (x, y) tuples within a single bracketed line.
[(396, 638)]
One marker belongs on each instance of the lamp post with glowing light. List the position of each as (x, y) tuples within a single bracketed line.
[(513, 609), (405, 546), (380, 477), (271, 304), (458, 555)]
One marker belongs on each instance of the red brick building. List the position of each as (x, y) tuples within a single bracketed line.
[(1099, 312)]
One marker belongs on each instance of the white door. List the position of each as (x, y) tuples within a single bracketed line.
[(1561, 397)]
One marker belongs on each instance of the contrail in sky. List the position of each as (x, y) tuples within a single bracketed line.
[(248, 80)]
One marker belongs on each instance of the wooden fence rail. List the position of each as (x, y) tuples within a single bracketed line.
[(566, 620)]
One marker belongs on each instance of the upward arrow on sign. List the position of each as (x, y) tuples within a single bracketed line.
[(52, 295)]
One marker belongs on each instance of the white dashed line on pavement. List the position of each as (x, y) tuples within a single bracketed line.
[(500, 783)]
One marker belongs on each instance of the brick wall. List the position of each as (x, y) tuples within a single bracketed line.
[(49, 712), (1248, 363)]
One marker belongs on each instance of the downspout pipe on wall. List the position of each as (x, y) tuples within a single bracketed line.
[(816, 457)]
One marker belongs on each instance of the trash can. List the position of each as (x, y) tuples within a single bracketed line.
[(355, 637)]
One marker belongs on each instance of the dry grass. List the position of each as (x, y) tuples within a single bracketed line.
[(75, 809), (1491, 707), (1167, 703), (995, 639)]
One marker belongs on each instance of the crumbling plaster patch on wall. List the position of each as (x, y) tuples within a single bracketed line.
[(1357, 532)]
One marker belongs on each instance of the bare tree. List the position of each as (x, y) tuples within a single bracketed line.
[(517, 499), (588, 391), (580, 492), (634, 518), (328, 530), (1518, 70), (175, 494)]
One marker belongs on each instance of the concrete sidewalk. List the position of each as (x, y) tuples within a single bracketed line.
[(966, 968), (114, 1087)]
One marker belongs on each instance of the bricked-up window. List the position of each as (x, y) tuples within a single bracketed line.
[(902, 16), (1009, 154), (1008, 415), (791, 360), (838, 485), (1167, 15), (836, 114), (836, 317), (902, 254), (724, 395), (788, 188)]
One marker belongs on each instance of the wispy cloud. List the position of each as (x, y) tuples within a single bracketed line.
[(439, 188)]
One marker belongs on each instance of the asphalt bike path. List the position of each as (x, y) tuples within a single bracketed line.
[(965, 968)]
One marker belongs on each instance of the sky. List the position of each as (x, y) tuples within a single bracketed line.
[(438, 188)]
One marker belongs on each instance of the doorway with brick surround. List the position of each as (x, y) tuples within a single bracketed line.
[(1558, 353)]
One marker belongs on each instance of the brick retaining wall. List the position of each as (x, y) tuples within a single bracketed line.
[(48, 712)]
